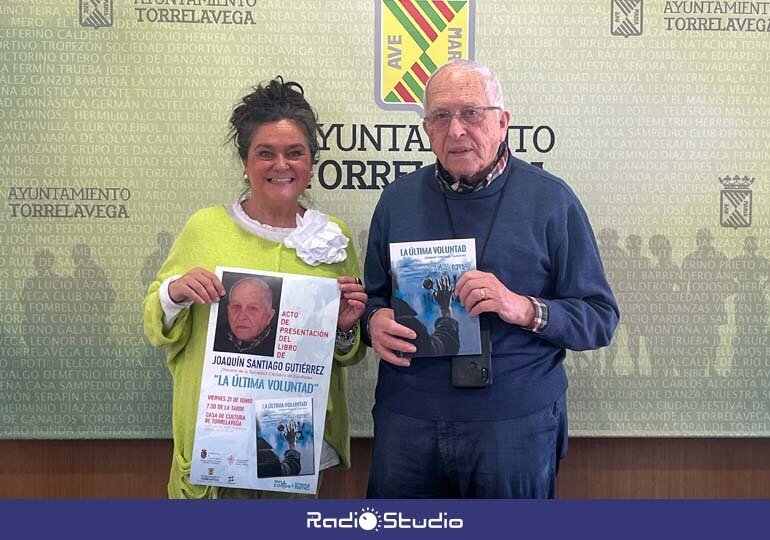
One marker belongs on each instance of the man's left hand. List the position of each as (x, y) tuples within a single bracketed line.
[(481, 292), (352, 302)]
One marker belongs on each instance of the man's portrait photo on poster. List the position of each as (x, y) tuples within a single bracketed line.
[(248, 314)]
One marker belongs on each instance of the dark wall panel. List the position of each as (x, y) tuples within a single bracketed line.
[(594, 468)]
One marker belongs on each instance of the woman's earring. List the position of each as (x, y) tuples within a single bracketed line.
[(245, 176)]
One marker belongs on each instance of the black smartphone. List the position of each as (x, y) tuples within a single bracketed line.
[(474, 370)]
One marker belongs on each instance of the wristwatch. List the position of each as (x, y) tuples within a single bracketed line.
[(347, 335)]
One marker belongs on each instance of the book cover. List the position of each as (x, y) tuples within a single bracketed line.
[(425, 276), (285, 437)]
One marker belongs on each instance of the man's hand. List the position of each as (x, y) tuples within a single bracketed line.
[(198, 285), (352, 302), (389, 337), (481, 292)]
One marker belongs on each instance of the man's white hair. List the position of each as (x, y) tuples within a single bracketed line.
[(264, 288), (494, 89)]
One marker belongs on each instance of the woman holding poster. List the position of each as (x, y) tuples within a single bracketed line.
[(274, 130)]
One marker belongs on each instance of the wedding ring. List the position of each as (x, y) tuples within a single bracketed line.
[(483, 294)]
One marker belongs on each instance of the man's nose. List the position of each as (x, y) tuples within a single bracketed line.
[(456, 127)]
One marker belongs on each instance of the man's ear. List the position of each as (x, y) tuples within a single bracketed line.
[(505, 120)]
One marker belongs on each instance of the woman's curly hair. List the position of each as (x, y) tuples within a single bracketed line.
[(270, 102)]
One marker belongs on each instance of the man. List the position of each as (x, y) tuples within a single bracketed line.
[(540, 289), (249, 314)]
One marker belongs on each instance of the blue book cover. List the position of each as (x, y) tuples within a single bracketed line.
[(285, 437), (425, 276)]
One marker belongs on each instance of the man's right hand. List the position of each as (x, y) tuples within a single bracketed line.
[(198, 285), (389, 337)]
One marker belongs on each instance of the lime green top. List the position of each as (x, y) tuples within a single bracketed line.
[(212, 238)]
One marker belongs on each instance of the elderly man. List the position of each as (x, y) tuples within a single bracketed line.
[(539, 289), (249, 314)]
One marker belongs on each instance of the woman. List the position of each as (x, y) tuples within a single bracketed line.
[(274, 130)]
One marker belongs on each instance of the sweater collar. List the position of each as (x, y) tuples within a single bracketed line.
[(449, 183), (248, 346)]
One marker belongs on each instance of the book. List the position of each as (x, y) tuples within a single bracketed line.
[(424, 277), (285, 437)]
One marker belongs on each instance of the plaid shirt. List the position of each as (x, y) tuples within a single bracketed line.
[(541, 315), (460, 186)]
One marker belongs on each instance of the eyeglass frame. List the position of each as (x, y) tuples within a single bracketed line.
[(429, 120)]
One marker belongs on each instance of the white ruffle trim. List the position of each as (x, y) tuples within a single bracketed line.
[(317, 240)]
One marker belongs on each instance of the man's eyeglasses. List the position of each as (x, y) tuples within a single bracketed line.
[(470, 116)]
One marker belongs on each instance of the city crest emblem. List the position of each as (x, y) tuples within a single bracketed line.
[(96, 13), (626, 18), (735, 201), (414, 38)]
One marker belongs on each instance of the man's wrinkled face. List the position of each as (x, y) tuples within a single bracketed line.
[(250, 310), (464, 150)]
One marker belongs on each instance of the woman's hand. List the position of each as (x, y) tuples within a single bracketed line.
[(352, 302), (198, 285)]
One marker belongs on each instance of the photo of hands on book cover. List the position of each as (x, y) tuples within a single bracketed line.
[(425, 275), (284, 437)]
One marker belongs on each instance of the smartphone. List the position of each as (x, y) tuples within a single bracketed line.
[(474, 370)]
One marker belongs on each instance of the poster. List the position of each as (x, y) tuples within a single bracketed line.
[(265, 382)]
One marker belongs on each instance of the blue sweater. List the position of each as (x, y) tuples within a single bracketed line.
[(541, 244)]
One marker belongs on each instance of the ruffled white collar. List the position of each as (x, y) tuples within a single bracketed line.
[(316, 239)]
